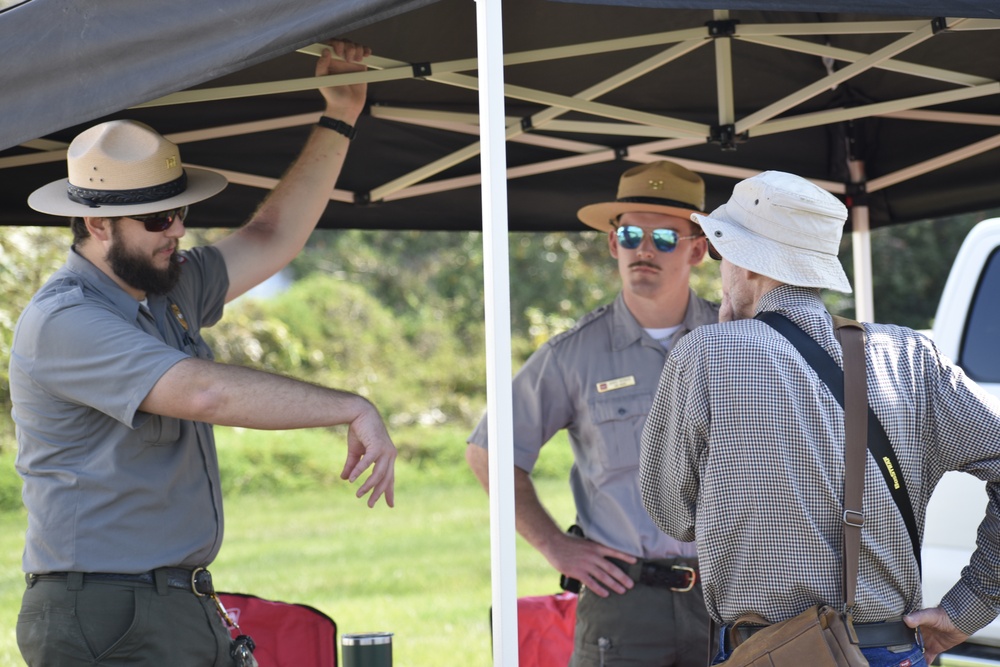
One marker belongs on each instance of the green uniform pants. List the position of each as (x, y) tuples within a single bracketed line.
[(67, 623), (644, 627)]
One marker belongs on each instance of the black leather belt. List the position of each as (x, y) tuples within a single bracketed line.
[(679, 577), (870, 635), (198, 581)]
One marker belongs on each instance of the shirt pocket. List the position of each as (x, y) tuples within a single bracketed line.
[(195, 346), (619, 420), (160, 430)]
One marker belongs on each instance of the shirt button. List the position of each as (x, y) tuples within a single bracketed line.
[(621, 411)]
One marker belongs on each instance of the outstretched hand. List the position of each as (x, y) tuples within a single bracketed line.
[(939, 633), (369, 445), (343, 102)]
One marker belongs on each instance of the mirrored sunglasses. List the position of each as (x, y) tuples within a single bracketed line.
[(665, 240), (162, 221)]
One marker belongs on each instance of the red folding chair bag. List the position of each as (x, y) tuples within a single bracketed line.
[(545, 628), (286, 635)]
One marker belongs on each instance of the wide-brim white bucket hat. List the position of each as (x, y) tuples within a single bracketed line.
[(781, 226), (123, 168)]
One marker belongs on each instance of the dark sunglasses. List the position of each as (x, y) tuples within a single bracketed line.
[(162, 221), (665, 240), (712, 252)]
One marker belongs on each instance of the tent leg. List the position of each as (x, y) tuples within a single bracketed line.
[(496, 269), (864, 305), (864, 301)]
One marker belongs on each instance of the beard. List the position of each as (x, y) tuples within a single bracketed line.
[(138, 271)]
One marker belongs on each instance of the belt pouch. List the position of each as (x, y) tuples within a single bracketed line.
[(74, 581), (160, 578)]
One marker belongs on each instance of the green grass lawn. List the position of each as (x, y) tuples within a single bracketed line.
[(420, 570)]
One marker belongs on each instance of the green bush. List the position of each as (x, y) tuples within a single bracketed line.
[(10, 482), (277, 462)]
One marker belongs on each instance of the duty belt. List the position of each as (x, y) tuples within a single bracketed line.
[(198, 580), (679, 576)]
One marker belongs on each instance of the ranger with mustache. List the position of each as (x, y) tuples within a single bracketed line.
[(641, 601)]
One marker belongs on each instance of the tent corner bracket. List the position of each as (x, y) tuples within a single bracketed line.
[(727, 137), (856, 194), (724, 28)]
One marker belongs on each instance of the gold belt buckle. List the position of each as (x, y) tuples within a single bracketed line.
[(692, 578), (194, 582)]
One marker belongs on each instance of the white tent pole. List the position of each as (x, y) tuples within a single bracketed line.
[(496, 275), (861, 246)]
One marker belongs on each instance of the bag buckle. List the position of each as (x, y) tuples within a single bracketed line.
[(692, 578), (852, 518), (848, 619)]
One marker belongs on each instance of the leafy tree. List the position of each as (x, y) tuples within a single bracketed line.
[(910, 264), (398, 315), (555, 277), (28, 256)]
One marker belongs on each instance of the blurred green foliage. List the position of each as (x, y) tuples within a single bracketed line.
[(398, 316), (28, 256)]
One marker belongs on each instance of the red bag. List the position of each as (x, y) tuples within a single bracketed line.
[(545, 627), (286, 635)]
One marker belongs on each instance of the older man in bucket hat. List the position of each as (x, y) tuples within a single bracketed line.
[(744, 446), (115, 393), (641, 602)]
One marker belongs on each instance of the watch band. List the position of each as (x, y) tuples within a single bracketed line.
[(338, 126)]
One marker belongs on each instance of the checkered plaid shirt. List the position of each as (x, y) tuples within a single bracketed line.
[(744, 452)]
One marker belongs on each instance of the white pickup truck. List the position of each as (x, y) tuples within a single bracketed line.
[(967, 329)]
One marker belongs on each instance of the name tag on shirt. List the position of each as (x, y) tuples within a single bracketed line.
[(619, 383)]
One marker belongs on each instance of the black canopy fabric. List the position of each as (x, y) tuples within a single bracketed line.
[(911, 104)]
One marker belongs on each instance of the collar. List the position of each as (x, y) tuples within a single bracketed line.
[(103, 284), (626, 330), (787, 297)]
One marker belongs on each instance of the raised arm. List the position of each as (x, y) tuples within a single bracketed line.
[(200, 390), (278, 230)]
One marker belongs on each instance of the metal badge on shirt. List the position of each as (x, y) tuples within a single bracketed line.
[(618, 383), (179, 315)]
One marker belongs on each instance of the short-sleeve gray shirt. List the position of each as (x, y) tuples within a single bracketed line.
[(597, 380), (109, 488)]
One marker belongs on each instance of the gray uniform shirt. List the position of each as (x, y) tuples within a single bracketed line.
[(597, 380), (109, 488)]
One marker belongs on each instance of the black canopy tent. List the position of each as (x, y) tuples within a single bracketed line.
[(896, 114), (760, 87), (891, 104)]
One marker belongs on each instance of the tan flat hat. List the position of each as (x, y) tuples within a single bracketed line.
[(123, 168), (658, 187)]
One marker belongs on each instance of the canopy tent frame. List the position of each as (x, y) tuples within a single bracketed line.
[(667, 133), (591, 142)]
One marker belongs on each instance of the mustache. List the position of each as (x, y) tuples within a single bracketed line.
[(642, 263)]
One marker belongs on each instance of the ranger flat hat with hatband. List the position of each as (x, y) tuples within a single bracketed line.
[(658, 187), (123, 168)]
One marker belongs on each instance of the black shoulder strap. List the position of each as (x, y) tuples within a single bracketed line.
[(878, 441)]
